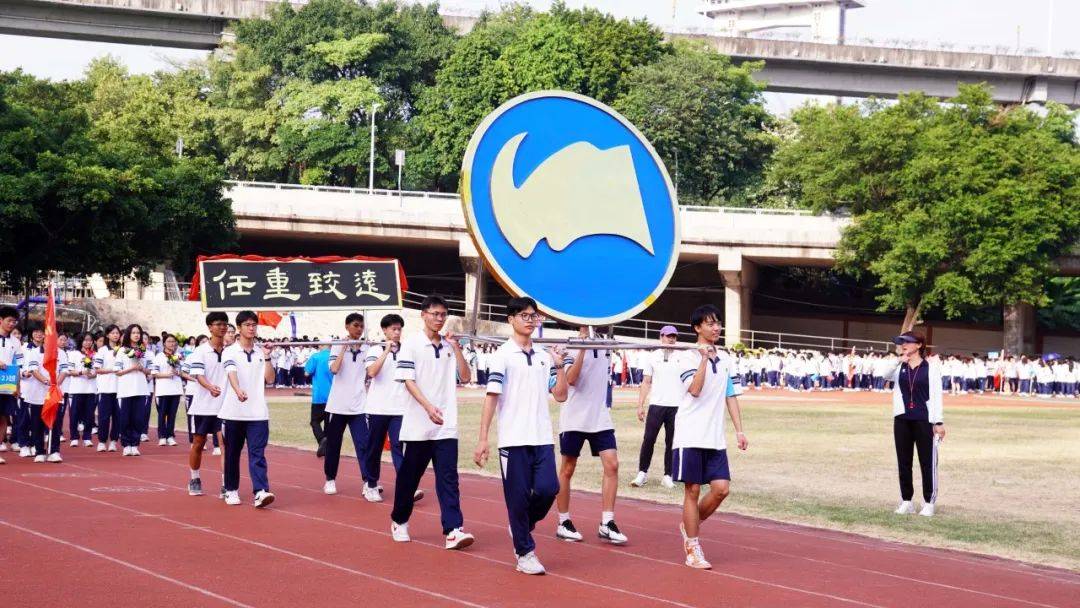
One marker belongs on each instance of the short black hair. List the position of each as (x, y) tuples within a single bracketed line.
[(431, 301), (353, 316), (516, 305), (216, 317), (704, 313), (8, 311), (246, 315), (392, 319)]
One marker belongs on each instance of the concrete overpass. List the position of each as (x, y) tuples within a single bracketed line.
[(790, 67), (730, 242)]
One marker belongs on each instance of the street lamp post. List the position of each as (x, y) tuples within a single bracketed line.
[(371, 154)]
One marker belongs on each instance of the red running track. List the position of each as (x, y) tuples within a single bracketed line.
[(124, 531)]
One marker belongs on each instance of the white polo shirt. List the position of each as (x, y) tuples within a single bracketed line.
[(522, 381), (132, 384), (249, 367), (81, 384), (434, 369), (205, 361), (10, 351), (667, 390), (348, 393), (32, 390), (386, 396), (699, 423), (171, 386), (105, 358), (586, 409)]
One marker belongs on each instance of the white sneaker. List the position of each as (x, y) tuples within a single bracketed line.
[(330, 487), (39, 458), (135, 451), (371, 494), (161, 442), (87, 443), (927, 510), (459, 539), (127, 451), (112, 446), (263, 499), (695, 557), (3, 447), (418, 495), (667, 482), (233, 498), (93, 431), (639, 481), (24, 452), (100, 447), (400, 532), (529, 564), (568, 532), (55, 457), (144, 437), (611, 533), (170, 441), (905, 508), (74, 443), (217, 452)]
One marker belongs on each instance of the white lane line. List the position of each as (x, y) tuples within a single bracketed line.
[(126, 564), (220, 534)]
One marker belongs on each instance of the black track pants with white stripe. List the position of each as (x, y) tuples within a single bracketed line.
[(912, 435)]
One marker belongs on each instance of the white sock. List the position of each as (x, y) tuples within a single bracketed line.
[(607, 516), (194, 473), (564, 517)]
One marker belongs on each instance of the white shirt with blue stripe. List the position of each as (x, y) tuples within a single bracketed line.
[(699, 423)]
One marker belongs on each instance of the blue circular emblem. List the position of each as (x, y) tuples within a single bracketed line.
[(569, 204)]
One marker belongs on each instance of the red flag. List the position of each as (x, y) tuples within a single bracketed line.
[(55, 396), (269, 318)]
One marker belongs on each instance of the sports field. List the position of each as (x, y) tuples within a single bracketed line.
[(1009, 472)]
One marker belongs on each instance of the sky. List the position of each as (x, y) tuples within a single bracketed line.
[(961, 23)]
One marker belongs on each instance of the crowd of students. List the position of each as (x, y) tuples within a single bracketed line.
[(811, 370), (403, 390)]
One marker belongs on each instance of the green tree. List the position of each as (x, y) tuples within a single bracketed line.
[(291, 98), (514, 52), (84, 197), (706, 118), (956, 205)]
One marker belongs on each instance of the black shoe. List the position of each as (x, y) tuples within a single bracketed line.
[(319, 453)]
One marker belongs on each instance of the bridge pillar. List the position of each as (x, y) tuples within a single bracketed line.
[(1019, 329), (740, 279), (474, 277)]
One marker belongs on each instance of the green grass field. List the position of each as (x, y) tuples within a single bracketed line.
[(1009, 471)]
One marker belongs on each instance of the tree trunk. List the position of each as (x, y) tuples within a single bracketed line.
[(911, 316)]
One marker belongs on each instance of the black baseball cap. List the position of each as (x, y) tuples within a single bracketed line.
[(909, 337)]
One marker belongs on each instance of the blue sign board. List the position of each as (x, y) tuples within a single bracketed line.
[(569, 204)]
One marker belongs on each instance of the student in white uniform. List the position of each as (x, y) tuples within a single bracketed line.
[(700, 450), (517, 391), (429, 365), (345, 406), (108, 413), (10, 356), (132, 366), (83, 390), (663, 391), (27, 387), (208, 369), (386, 403), (34, 392), (169, 388), (586, 416), (244, 414)]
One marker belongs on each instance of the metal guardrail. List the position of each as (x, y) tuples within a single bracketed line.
[(451, 196)]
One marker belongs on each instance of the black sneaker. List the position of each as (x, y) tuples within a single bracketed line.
[(194, 487), (221, 495), (319, 453)]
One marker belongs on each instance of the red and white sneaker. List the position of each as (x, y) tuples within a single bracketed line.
[(695, 557), (459, 539)]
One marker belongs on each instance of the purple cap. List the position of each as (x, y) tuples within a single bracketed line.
[(669, 330)]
